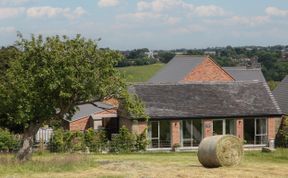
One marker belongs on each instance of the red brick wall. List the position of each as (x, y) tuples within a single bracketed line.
[(81, 124), (175, 132), (87, 122), (271, 128), (208, 70), (142, 125), (240, 128), (208, 128)]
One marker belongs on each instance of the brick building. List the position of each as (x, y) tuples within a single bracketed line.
[(192, 97), (96, 115)]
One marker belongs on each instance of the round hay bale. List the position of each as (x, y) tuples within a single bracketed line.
[(220, 150)]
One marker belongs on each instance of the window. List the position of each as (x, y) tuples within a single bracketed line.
[(224, 126), (160, 134), (219, 127), (260, 131), (255, 131), (230, 126), (191, 131)]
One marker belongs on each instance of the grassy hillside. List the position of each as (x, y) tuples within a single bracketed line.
[(140, 73)]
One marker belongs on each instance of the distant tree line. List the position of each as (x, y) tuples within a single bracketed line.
[(138, 57)]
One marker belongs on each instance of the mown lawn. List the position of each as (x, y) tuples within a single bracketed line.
[(140, 73), (254, 164)]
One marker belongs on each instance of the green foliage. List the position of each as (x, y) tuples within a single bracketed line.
[(66, 141), (96, 141), (123, 142), (137, 53), (132, 106), (8, 141), (56, 143), (142, 141), (224, 61), (165, 56), (272, 85), (6, 56), (78, 142), (48, 77), (126, 142), (282, 135)]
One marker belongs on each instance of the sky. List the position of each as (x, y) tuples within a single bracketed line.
[(153, 24)]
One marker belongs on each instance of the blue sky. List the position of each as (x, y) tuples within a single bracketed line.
[(155, 24)]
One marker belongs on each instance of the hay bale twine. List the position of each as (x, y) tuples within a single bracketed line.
[(220, 150)]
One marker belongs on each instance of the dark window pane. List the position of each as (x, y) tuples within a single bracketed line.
[(218, 127), (165, 134), (249, 130), (187, 132), (197, 132), (154, 129)]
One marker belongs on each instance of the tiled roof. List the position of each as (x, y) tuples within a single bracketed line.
[(244, 74), (177, 69), (89, 109), (207, 100), (281, 94)]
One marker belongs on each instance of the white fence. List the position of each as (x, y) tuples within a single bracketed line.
[(43, 135)]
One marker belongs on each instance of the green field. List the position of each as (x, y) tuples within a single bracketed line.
[(140, 73), (254, 164)]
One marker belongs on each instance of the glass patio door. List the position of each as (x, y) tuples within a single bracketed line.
[(160, 134), (191, 133), (255, 131)]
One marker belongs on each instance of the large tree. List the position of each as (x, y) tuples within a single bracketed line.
[(49, 77)]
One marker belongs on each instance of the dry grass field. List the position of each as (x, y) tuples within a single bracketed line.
[(146, 165)]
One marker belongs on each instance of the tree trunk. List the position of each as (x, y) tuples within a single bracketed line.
[(25, 152)]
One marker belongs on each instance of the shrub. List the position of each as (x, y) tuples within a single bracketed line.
[(8, 141), (66, 141), (123, 142), (282, 135), (56, 143), (78, 142), (96, 141), (141, 141)]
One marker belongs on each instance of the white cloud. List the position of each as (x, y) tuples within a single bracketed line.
[(79, 11), (251, 21), (160, 5), (139, 16), (274, 11), (209, 10), (7, 30), (10, 12), (149, 16), (47, 11), (108, 3)]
